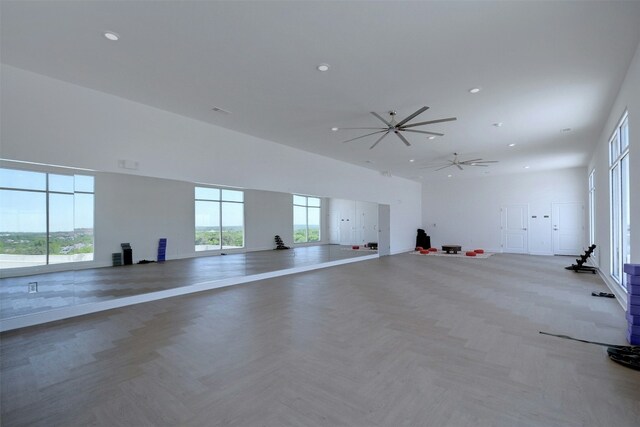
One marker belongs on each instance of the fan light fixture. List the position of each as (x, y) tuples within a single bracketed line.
[(399, 127), (460, 163), (323, 67)]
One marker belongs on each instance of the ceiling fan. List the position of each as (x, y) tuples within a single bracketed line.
[(401, 126), (460, 163)]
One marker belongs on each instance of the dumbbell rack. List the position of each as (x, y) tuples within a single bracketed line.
[(579, 266)]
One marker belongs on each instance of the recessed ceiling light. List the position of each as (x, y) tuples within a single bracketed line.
[(323, 67), (474, 90), (431, 137), (449, 176), (473, 164), (412, 160), (111, 36), (526, 167), (512, 145), (498, 125), (566, 130), (334, 129)]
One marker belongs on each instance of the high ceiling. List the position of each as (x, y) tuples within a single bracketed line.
[(541, 66)]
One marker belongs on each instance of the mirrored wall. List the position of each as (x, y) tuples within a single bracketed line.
[(60, 229)]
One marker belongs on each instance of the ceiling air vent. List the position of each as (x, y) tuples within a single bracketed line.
[(220, 110)]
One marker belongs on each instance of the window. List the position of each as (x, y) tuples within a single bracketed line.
[(592, 208), (619, 202), (219, 219), (306, 219), (45, 218)]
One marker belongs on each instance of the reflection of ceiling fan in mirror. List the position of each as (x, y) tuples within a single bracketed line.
[(460, 163), (398, 127)]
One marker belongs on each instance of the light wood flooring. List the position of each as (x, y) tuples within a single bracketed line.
[(61, 289), (397, 341)]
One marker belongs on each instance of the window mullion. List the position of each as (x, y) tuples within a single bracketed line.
[(46, 240)]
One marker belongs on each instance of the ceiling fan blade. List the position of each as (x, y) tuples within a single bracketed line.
[(471, 161), (450, 119), (444, 167), (403, 139), (382, 119), (411, 116), (379, 139), (459, 167), (487, 161), (422, 131), (477, 165), (369, 134), (362, 128)]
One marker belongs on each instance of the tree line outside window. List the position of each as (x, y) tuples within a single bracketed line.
[(219, 219), (45, 218), (306, 219)]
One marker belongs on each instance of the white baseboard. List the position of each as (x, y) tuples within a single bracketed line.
[(615, 289)]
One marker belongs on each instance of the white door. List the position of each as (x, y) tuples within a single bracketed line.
[(384, 234), (346, 229), (568, 228), (514, 225), (334, 227)]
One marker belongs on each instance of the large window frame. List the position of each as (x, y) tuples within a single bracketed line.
[(307, 219), (64, 205), (592, 207), (619, 201), (219, 218)]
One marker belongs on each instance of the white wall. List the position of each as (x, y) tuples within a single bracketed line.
[(628, 99), (52, 122), (140, 210), (466, 211)]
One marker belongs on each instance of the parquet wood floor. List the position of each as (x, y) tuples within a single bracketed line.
[(397, 341)]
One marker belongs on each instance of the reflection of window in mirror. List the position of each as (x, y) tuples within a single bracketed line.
[(45, 218), (306, 219), (219, 219)]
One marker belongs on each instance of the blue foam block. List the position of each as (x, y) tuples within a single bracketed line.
[(634, 329), (632, 269), (634, 310), (632, 320), (633, 289), (634, 280), (633, 299), (633, 339)]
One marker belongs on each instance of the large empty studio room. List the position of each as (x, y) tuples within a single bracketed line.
[(320, 213)]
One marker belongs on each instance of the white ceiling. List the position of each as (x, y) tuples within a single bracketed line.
[(542, 67)]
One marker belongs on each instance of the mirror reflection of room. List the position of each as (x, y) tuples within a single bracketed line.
[(62, 232)]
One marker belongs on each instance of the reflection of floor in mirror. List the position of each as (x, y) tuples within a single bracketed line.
[(67, 288)]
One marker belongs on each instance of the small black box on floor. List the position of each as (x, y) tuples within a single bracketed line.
[(372, 245), (116, 259), (127, 253)]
